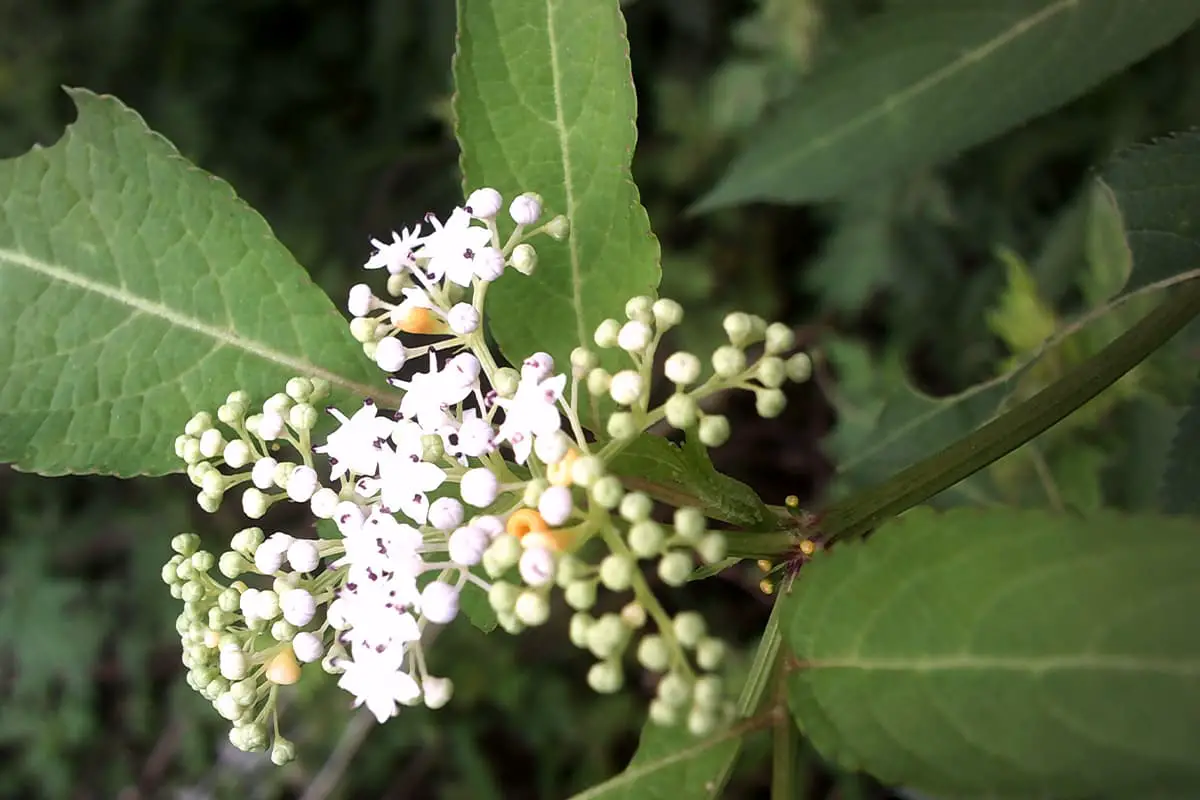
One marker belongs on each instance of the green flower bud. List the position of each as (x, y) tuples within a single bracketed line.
[(231, 414), (780, 338), (303, 417), (739, 328), (243, 692), (193, 592), (607, 491), (282, 752), (674, 690), (700, 722), (502, 597), (712, 547), (714, 430), (532, 609), (233, 564), (283, 631), (646, 538), (505, 381), (299, 389), (622, 425), (710, 652), (681, 411), (607, 636), (253, 736), (185, 544), (674, 568), (606, 334), (583, 361), (254, 503), (524, 258), (568, 570), (633, 616), (616, 572), (580, 595), (769, 403), (203, 561), (191, 451), (283, 471), (510, 624), (363, 329), (771, 372), (653, 653), (799, 368), (218, 619), (606, 677), (170, 576), (558, 228), (320, 391), (177, 590), (268, 604), (278, 403), (247, 540), (689, 628), (682, 368), (214, 689), (663, 714), (581, 623), (586, 470), (228, 706), (433, 447), (728, 361), (635, 507), (180, 443), (689, 523), (709, 692), (237, 454), (198, 424), (533, 491), (505, 552), (209, 502), (599, 381), (640, 308)]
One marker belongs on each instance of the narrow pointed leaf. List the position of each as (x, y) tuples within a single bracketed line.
[(1005, 654), (934, 77), (545, 103), (136, 289)]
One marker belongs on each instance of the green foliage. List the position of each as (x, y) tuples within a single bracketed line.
[(974, 653), (142, 290), (545, 104), (1181, 478), (908, 89)]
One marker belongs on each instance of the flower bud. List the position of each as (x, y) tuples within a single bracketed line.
[(799, 368), (228, 707), (362, 329), (266, 604), (771, 372), (578, 629), (502, 597), (237, 454), (439, 602), (303, 555), (282, 669), (712, 547), (282, 752), (282, 630), (580, 595), (674, 690), (626, 387), (607, 491), (689, 628), (708, 692), (635, 507), (229, 600), (505, 381), (555, 505), (599, 381), (203, 561), (445, 513), (302, 483), (551, 448), (299, 607), (662, 714), (181, 442), (270, 426), (479, 487), (689, 523), (467, 545), (536, 568), (526, 209), (262, 474), (185, 544), (533, 491), (780, 338), (701, 721), (653, 653), (524, 258), (233, 664), (606, 677), (503, 554), (728, 361), (616, 572), (463, 319), (633, 615), (667, 313), (510, 624), (254, 503), (360, 300), (769, 403), (607, 333), (640, 307), (646, 538), (710, 652), (303, 417), (390, 354), (323, 503), (714, 430), (674, 568), (307, 647), (191, 451), (488, 264), (586, 470), (634, 336), (739, 328), (198, 424), (583, 361), (682, 368), (484, 203), (436, 691), (622, 426), (532, 609), (559, 228)]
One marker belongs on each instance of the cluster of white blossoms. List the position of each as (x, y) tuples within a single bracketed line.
[(480, 479)]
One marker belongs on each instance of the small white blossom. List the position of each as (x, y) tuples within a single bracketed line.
[(531, 411), (475, 437), (404, 479), (357, 445), (378, 684), (453, 247), (397, 256)]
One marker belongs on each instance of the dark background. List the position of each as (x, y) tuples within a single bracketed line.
[(332, 119)]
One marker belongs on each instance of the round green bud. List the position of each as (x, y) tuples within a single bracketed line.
[(663, 714), (635, 507), (646, 538), (198, 424), (180, 442), (182, 623), (709, 692), (169, 574), (667, 313), (714, 430), (771, 372), (633, 616), (689, 628), (208, 502), (780, 338), (532, 609), (769, 403), (268, 604), (177, 591), (212, 484), (606, 677), (653, 653), (254, 503), (559, 228), (253, 736), (299, 389), (433, 447), (283, 471), (247, 540), (502, 597), (505, 381), (606, 333), (674, 690), (282, 584), (203, 561), (184, 570), (524, 258), (504, 552), (583, 361), (675, 568), (185, 544), (586, 470), (710, 652), (233, 564), (278, 403), (282, 752), (237, 453), (228, 706), (581, 623), (568, 570), (199, 677), (533, 491), (510, 624), (212, 690), (243, 692), (701, 721), (283, 631), (728, 361), (580, 595), (622, 425), (599, 381), (689, 523), (321, 389), (640, 308), (607, 636), (193, 592), (738, 327), (616, 572), (712, 547), (218, 619), (191, 451), (211, 443), (231, 413), (607, 491), (799, 368), (681, 411), (240, 396), (303, 417), (396, 284)]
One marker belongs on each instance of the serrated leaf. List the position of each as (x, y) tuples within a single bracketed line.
[(930, 79), (136, 290), (1181, 478), (1005, 653), (686, 476), (545, 103), (1158, 191)]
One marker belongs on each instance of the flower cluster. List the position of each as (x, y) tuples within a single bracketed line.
[(479, 478)]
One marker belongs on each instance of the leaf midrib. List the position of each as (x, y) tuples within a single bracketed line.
[(221, 336), (889, 104), (1083, 662)]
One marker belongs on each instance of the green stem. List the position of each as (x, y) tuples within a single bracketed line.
[(861, 512)]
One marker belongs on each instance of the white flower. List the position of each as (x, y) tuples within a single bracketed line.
[(475, 436), (537, 366), (439, 602), (358, 444), (452, 248), (531, 411), (404, 479), (479, 487), (378, 684), (397, 256), (429, 394), (349, 517)]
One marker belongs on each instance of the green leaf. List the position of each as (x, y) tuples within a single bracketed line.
[(685, 476), (545, 103), (1005, 653), (1181, 478), (1158, 191), (930, 79), (137, 290)]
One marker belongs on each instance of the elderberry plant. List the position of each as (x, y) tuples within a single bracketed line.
[(482, 476)]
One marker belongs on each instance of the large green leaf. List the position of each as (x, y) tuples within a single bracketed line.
[(1181, 477), (545, 103), (136, 289), (934, 77), (1005, 653)]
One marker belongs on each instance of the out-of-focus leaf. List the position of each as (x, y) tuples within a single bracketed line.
[(545, 103), (928, 79), (1181, 478), (981, 653), (136, 290)]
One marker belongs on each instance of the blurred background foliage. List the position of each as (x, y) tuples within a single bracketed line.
[(333, 120)]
